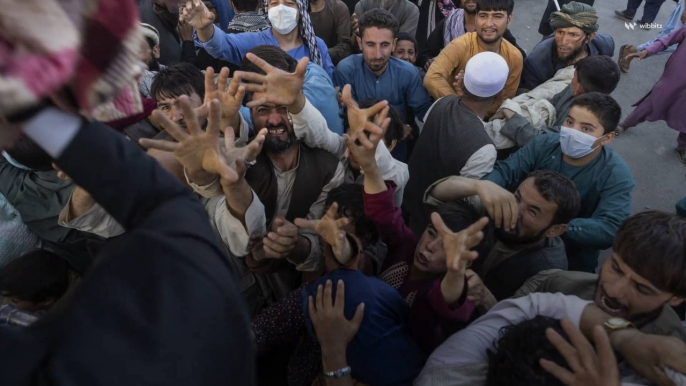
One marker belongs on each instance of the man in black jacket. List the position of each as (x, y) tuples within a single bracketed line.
[(161, 305)]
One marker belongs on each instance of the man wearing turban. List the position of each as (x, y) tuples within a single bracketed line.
[(575, 38)]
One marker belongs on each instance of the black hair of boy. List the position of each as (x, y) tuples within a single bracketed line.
[(603, 106), (598, 73)]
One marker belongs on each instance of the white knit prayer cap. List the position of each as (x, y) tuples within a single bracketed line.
[(151, 33), (485, 74)]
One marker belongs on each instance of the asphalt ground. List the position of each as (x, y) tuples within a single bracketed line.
[(648, 148)]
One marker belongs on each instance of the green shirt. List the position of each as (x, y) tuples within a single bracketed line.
[(604, 185)]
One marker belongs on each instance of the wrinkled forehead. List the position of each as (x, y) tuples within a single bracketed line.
[(530, 196)]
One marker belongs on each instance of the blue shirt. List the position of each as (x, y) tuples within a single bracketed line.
[(382, 352), (233, 47), (604, 185), (319, 90), (401, 84)]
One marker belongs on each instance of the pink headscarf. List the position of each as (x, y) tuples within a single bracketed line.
[(87, 49)]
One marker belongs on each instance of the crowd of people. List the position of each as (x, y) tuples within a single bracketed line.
[(331, 192)]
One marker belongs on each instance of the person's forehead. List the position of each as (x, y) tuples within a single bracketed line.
[(499, 12), (405, 44), (377, 34), (530, 196), (161, 98), (583, 115), (290, 3), (626, 269), (571, 30)]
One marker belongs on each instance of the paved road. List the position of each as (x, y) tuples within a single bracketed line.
[(648, 149)]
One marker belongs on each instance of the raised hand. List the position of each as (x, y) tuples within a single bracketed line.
[(331, 230), (185, 31), (458, 254), (458, 85), (196, 14), (230, 98), (588, 367), (479, 294), (501, 204), (282, 240), (333, 330), (458, 245), (359, 149), (200, 151), (276, 86), (639, 55), (360, 119)]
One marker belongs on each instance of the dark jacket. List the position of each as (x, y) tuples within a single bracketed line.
[(170, 43), (161, 306), (505, 269), (541, 64)]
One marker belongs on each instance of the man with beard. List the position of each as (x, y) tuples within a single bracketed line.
[(546, 200), (575, 38), (580, 153), (640, 282), (375, 74), (163, 15), (493, 17)]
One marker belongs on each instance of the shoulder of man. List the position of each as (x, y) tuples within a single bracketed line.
[(667, 323), (615, 168), (604, 44), (510, 51), (581, 284), (541, 51)]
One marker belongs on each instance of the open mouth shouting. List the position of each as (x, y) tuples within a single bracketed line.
[(610, 305), (276, 131)]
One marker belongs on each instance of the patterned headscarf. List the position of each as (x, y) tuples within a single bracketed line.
[(306, 31), (224, 11), (454, 26), (89, 48)]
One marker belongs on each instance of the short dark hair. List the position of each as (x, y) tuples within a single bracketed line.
[(597, 73), (459, 215), (245, 5), (515, 360), (379, 18), (653, 244), (176, 80), (396, 129), (560, 190), (495, 5), (603, 106), (35, 277), (29, 154), (408, 37), (273, 55), (350, 199)]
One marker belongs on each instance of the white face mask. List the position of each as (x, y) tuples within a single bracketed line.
[(576, 144), (284, 19)]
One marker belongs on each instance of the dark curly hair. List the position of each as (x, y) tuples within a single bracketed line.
[(561, 191), (351, 204), (515, 359)]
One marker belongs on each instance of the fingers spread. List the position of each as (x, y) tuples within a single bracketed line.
[(169, 126), (440, 226), (564, 375), (189, 115)]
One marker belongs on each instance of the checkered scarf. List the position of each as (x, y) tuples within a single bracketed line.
[(306, 31), (87, 49)]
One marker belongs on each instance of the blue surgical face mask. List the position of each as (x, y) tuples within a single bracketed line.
[(576, 144)]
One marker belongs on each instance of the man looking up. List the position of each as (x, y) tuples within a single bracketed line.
[(453, 141), (641, 281), (546, 201), (579, 153), (575, 38), (493, 18), (375, 74)]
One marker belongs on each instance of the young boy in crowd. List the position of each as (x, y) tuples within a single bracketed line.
[(580, 153), (406, 49)]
